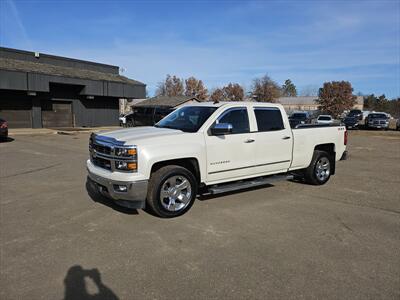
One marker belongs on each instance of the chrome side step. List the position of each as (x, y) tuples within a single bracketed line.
[(245, 184)]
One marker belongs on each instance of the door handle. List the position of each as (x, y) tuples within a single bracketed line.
[(249, 141), (286, 138)]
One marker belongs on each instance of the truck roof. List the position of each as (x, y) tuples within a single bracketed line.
[(235, 103)]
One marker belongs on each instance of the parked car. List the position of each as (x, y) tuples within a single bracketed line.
[(147, 116), (351, 122), (355, 113), (3, 129), (398, 124), (298, 118), (324, 119), (209, 148), (377, 120)]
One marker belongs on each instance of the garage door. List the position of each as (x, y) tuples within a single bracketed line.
[(16, 112), (57, 114)]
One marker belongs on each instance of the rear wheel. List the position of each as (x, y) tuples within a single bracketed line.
[(172, 191), (319, 170)]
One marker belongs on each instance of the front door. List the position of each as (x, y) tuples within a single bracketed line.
[(230, 156)]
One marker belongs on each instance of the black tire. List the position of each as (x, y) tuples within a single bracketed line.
[(130, 123), (310, 173), (156, 183)]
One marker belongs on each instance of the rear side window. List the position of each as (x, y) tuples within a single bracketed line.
[(238, 118), (269, 119)]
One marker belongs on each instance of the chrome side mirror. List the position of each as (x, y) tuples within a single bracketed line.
[(222, 129)]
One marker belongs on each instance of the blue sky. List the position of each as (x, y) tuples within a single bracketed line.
[(220, 41)]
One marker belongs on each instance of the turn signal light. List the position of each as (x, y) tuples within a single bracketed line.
[(132, 151), (132, 166)]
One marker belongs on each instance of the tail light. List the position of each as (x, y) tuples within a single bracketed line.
[(4, 125), (345, 137)]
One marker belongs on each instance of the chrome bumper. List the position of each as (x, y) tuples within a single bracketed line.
[(133, 197)]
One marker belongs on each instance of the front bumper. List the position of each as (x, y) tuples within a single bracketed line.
[(378, 126), (133, 197)]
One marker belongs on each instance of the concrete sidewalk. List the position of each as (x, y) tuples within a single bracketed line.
[(69, 131)]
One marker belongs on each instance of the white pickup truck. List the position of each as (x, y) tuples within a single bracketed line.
[(209, 148)]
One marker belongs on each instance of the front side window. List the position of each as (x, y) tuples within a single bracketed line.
[(238, 118), (269, 119)]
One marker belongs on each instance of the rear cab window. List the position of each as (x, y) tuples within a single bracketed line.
[(268, 119)]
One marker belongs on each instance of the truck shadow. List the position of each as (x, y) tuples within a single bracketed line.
[(6, 140), (206, 197), (99, 198), (75, 285)]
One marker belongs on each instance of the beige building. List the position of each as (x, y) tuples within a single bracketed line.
[(308, 103)]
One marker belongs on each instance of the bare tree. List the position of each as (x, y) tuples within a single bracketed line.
[(230, 92), (217, 95), (195, 88), (264, 89), (172, 86)]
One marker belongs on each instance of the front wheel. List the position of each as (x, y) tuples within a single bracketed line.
[(172, 191), (319, 170)]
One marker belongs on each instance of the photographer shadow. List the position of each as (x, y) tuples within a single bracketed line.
[(75, 285)]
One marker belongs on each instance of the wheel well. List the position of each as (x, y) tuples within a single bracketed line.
[(330, 149), (188, 163)]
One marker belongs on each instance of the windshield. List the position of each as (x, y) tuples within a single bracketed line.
[(324, 118), (377, 116), (187, 118), (299, 116)]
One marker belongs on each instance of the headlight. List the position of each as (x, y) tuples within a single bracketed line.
[(125, 152), (129, 156), (125, 165)]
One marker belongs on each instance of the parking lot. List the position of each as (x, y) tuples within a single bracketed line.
[(290, 240)]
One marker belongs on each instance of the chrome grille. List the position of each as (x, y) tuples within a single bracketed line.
[(103, 153)]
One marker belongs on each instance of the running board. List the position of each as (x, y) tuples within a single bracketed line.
[(245, 184)]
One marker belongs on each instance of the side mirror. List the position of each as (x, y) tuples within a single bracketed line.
[(221, 129)]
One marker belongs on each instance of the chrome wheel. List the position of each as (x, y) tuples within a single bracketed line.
[(322, 169), (176, 193)]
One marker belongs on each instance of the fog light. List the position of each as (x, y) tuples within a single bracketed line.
[(120, 188)]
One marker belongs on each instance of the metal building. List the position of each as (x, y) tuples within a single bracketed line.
[(40, 90)]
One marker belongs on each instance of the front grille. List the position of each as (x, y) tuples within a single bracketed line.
[(101, 149), (101, 162), (105, 153)]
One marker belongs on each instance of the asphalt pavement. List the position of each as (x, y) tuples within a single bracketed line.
[(287, 241)]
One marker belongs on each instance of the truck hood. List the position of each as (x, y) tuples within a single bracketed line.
[(136, 134)]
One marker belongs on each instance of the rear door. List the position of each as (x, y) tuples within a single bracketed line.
[(273, 141), (231, 156)]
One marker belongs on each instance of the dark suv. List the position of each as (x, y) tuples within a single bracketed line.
[(298, 118), (147, 115), (355, 113)]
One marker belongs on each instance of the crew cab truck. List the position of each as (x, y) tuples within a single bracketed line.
[(209, 148)]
